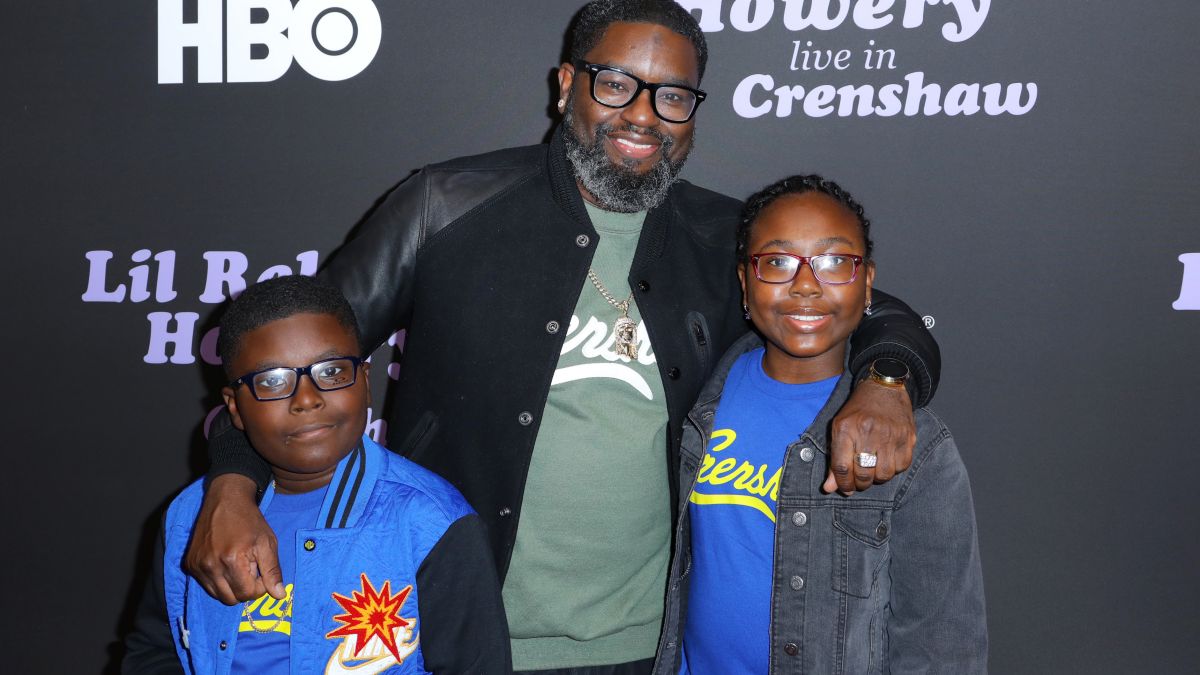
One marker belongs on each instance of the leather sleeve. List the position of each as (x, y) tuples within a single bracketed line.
[(376, 267), (463, 627), (374, 270), (893, 330), (150, 647)]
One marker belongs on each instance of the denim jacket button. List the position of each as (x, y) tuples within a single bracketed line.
[(525, 419), (807, 454), (881, 531), (791, 649), (799, 519), (797, 583), (582, 240), (552, 327)]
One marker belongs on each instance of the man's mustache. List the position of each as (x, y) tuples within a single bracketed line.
[(604, 129)]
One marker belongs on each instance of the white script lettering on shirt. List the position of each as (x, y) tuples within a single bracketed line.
[(595, 344)]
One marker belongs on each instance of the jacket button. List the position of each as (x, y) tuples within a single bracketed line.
[(799, 519), (552, 327), (224, 645), (791, 649), (881, 531), (673, 373), (807, 454), (525, 418), (644, 286), (505, 512), (582, 240), (309, 544), (797, 583)]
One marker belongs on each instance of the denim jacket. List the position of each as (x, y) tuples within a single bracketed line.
[(883, 581)]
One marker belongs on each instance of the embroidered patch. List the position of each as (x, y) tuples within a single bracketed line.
[(374, 635)]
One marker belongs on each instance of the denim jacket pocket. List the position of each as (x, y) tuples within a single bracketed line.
[(860, 549)]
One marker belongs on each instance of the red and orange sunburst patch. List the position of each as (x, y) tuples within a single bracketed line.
[(371, 614)]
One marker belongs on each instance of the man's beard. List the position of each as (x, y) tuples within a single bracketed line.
[(614, 186)]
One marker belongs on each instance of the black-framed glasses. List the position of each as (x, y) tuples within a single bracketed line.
[(615, 88), (829, 268), (275, 384)]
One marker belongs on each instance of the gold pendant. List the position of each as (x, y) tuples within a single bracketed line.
[(626, 333)]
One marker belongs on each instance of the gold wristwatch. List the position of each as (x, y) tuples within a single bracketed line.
[(889, 372)]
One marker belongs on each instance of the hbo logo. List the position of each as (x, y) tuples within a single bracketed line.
[(330, 39)]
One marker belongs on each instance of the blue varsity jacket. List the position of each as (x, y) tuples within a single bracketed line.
[(356, 607)]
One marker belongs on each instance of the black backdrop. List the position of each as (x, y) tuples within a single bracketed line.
[(1046, 228)]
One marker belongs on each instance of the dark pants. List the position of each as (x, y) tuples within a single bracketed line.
[(632, 668)]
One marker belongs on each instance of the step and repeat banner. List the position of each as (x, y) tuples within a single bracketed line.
[(1029, 168)]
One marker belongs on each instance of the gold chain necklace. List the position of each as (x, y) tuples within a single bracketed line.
[(624, 328)]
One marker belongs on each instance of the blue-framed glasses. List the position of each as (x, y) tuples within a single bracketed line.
[(275, 384)]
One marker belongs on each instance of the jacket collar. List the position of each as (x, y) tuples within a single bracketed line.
[(817, 433), (710, 394), (347, 494), (562, 180), (653, 239)]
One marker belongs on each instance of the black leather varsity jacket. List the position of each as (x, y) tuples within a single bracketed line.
[(482, 259)]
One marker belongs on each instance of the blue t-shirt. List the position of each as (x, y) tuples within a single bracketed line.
[(269, 651), (732, 514)]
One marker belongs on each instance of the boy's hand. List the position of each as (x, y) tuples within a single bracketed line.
[(876, 419), (233, 552)]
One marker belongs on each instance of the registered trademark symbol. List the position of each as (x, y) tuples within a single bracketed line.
[(929, 322)]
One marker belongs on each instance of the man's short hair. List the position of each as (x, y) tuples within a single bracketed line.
[(276, 299), (595, 18)]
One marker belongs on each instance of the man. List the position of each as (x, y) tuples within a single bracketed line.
[(518, 274)]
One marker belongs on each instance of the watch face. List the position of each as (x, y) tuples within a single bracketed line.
[(891, 368)]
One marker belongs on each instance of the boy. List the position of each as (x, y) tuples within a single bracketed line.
[(386, 568)]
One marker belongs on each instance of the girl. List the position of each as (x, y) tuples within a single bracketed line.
[(771, 575)]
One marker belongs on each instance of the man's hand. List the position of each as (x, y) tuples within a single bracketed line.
[(233, 552), (876, 419)]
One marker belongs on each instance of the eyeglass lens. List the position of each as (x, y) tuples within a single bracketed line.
[(280, 383), (611, 88), (828, 268)]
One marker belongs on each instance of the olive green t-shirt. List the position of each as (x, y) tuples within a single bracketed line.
[(587, 578)]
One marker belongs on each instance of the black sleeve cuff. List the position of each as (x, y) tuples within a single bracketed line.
[(463, 627), (893, 330), (229, 451)]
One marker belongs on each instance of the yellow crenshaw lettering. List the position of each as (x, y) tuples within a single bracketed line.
[(746, 477)]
